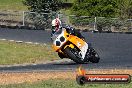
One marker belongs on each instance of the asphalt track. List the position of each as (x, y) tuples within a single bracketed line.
[(115, 50)]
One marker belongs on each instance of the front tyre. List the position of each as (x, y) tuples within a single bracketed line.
[(73, 55), (61, 55)]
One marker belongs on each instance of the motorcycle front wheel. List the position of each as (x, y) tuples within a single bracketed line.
[(73, 55)]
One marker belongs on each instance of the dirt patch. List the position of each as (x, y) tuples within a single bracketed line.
[(29, 77), (15, 78)]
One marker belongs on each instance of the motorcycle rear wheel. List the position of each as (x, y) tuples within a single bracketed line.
[(94, 56)]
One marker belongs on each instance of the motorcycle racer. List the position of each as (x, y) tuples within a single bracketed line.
[(57, 25), (69, 44)]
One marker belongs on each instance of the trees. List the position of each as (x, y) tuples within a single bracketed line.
[(43, 5), (97, 8), (125, 8), (91, 8), (103, 8)]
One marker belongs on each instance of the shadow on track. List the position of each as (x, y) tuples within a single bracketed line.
[(69, 63)]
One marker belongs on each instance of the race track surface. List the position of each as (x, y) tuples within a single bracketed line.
[(115, 50)]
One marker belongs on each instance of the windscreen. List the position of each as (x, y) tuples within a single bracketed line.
[(56, 34)]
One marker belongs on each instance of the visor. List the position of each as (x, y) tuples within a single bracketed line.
[(53, 27)]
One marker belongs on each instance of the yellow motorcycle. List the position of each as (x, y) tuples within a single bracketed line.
[(73, 47)]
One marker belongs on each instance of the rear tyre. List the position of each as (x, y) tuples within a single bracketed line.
[(94, 58), (73, 55)]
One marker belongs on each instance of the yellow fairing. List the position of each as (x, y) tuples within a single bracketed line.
[(58, 48), (71, 46), (73, 39), (77, 41), (55, 47), (66, 34)]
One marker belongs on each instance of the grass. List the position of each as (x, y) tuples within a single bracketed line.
[(18, 53), (16, 5), (61, 83)]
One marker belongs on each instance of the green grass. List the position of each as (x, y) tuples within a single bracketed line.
[(18, 53), (61, 83), (12, 5)]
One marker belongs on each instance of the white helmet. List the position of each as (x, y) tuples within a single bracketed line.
[(56, 23)]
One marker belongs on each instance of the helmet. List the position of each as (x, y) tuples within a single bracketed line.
[(56, 24)]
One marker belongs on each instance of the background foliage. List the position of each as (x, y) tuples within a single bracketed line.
[(45, 6), (39, 19), (121, 9), (103, 8)]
